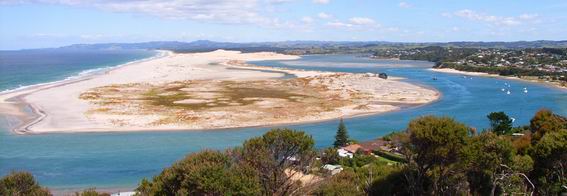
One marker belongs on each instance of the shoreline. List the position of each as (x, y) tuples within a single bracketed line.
[(482, 74), (42, 116), (12, 100)]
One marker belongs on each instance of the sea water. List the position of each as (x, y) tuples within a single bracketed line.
[(121, 160), (22, 68)]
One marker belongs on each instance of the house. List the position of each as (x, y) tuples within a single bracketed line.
[(352, 148), (377, 144), (344, 153), (369, 147), (127, 193), (517, 134), (333, 169)]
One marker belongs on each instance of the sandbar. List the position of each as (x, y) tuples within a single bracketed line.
[(200, 91)]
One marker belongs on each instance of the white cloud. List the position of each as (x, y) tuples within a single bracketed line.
[(307, 19), (404, 4), (392, 29), (324, 15), (321, 1), (361, 21), (528, 16), (217, 11), (339, 24), (491, 19), (354, 23), (279, 1)]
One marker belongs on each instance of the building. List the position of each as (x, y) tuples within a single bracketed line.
[(333, 169), (352, 148), (367, 148), (344, 153)]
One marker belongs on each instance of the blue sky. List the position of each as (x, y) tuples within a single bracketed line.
[(53, 23)]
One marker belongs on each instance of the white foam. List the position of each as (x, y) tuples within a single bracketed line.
[(83, 74)]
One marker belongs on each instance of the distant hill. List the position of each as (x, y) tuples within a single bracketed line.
[(206, 45)]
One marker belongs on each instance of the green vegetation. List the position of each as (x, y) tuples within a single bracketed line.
[(390, 156), (549, 64), (344, 183), (500, 123), (550, 156), (260, 167), (433, 153), (545, 121), (229, 93), (91, 192), (276, 155), (341, 139), (440, 156), (21, 184), (203, 173)]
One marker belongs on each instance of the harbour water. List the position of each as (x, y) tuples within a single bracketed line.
[(121, 160)]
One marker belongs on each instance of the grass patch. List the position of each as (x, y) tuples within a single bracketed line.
[(231, 93)]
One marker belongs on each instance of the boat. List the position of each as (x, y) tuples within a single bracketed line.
[(525, 90), (508, 92)]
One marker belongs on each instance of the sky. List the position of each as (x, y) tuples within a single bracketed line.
[(28, 24)]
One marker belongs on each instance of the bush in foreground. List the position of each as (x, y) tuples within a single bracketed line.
[(21, 184)]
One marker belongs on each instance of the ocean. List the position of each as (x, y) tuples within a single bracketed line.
[(119, 161), (22, 68)]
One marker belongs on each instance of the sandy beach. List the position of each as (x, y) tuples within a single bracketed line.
[(204, 91)]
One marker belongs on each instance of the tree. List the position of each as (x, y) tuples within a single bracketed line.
[(522, 143), (382, 178), (432, 150), (330, 156), (341, 184), (500, 123), (544, 121), (341, 139), (203, 173), (91, 192), (277, 157), (483, 158), (21, 184), (550, 166)]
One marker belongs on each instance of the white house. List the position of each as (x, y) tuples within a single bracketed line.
[(334, 169), (344, 153), (128, 193)]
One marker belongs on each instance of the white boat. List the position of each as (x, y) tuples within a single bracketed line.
[(503, 90), (525, 90), (508, 92)]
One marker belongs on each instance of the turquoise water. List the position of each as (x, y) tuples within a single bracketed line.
[(28, 67), (120, 160)]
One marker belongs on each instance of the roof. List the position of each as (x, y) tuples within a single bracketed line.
[(352, 148), (373, 145), (332, 167)]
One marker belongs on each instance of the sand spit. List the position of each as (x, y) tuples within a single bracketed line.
[(206, 91)]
